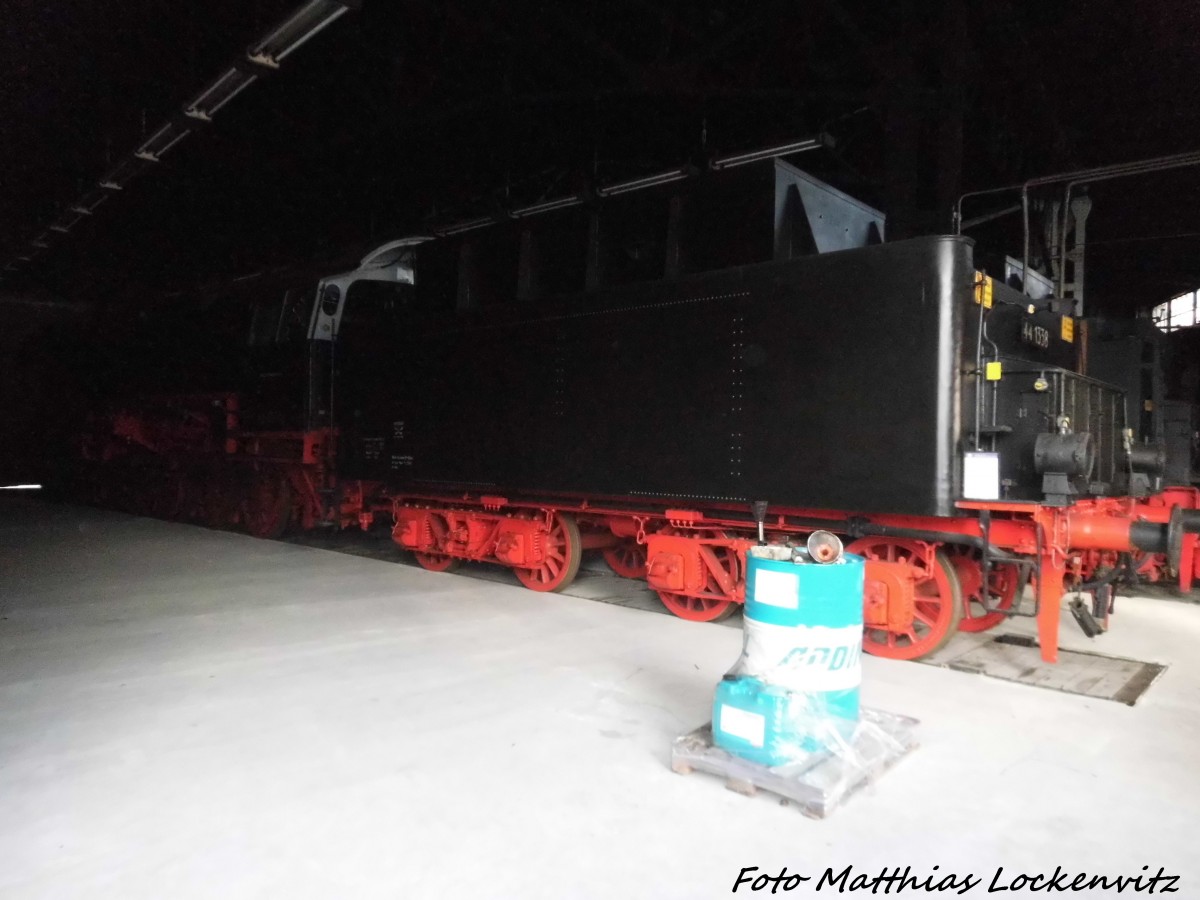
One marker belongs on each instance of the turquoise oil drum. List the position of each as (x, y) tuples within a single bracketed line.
[(795, 688)]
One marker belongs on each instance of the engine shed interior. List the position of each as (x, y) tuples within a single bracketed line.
[(447, 443)]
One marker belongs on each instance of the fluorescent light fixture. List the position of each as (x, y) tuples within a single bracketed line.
[(20, 487), (547, 206), (460, 227), (638, 184), (309, 19), (124, 172), (217, 94), (741, 159), (295, 31), (161, 141)]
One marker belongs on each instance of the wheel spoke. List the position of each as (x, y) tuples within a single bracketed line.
[(697, 609), (626, 558)]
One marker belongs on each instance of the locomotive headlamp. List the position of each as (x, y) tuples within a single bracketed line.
[(1064, 454), (1041, 384)]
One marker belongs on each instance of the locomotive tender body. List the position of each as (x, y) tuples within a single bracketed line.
[(832, 382)]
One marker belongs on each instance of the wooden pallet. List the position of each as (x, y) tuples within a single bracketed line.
[(816, 782)]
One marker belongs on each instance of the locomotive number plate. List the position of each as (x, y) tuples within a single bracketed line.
[(1035, 335)]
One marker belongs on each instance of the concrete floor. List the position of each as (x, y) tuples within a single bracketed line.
[(190, 713)]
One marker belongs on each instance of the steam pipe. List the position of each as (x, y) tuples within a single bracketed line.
[(1083, 176), (1131, 169), (1077, 176), (988, 217)]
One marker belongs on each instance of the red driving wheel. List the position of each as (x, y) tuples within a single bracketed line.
[(564, 548), (1002, 589), (437, 562)]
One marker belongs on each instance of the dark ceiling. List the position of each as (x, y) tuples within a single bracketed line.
[(412, 108)]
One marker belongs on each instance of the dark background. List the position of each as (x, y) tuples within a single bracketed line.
[(412, 108), (408, 111)]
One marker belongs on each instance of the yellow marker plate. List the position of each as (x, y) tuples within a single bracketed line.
[(983, 290), (992, 371), (1068, 329)]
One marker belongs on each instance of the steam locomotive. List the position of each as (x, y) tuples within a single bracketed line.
[(670, 370)]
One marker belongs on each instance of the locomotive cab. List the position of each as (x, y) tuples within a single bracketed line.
[(1054, 433), (361, 309)]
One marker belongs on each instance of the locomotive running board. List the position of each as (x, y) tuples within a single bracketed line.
[(1015, 657)]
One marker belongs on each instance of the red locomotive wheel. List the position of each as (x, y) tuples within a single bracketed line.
[(706, 609), (697, 609), (627, 559), (1002, 586), (564, 549), (937, 607), (437, 562)]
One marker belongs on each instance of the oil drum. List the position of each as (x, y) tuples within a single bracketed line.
[(795, 688)]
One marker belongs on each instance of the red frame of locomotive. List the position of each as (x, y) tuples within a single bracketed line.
[(925, 575)]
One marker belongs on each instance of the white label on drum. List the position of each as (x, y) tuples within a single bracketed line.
[(776, 588), (746, 725)]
